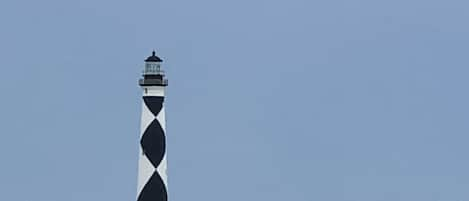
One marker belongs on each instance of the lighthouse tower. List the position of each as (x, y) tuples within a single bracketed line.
[(152, 178)]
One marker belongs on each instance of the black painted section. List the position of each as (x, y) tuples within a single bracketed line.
[(153, 58), (154, 103), (153, 144), (154, 190), (153, 80), (155, 77)]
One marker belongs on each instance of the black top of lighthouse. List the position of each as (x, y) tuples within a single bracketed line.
[(153, 58), (153, 75)]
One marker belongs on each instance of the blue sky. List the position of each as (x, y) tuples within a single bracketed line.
[(268, 100)]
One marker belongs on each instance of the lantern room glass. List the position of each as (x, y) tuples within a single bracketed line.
[(152, 68)]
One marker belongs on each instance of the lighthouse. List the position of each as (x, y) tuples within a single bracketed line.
[(152, 177)]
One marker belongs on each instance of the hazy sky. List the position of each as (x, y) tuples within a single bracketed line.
[(299, 100)]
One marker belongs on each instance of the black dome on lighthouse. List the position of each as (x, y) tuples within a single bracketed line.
[(153, 58)]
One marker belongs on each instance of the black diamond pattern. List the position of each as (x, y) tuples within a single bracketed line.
[(154, 145)]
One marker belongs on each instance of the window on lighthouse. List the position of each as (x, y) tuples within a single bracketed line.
[(151, 68), (147, 68)]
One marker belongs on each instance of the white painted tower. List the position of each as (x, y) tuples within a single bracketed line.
[(152, 177)]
